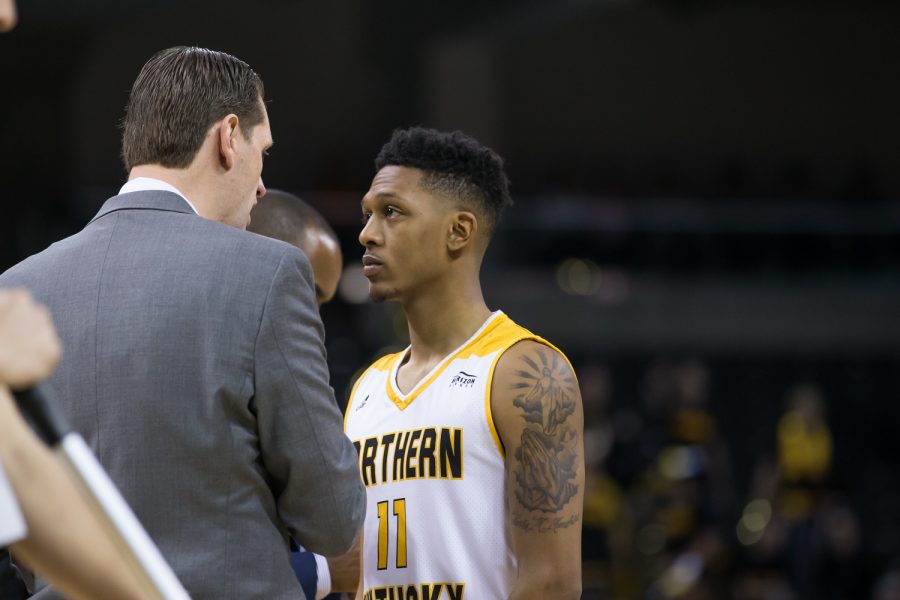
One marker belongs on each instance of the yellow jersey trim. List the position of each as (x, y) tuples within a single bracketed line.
[(487, 407), (476, 345), (498, 334)]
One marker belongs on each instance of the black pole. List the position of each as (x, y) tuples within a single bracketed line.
[(37, 405)]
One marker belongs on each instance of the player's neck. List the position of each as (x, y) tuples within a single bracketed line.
[(443, 320)]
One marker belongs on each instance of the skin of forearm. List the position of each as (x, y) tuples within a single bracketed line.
[(345, 569), (65, 541)]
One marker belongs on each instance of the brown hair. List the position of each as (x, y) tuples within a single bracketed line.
[(179, 93)]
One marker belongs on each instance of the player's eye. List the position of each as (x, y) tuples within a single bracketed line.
[(365, 217)]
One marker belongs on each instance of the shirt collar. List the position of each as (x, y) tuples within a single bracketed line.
[(145, 184)]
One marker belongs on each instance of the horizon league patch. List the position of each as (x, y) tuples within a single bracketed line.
[(425, 591), (462, 379)]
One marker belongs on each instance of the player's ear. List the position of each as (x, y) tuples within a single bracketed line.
[(462, 230), (226, 133)]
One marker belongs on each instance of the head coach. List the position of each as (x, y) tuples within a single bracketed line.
[(193, 356)]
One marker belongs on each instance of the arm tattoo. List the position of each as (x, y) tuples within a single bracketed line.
[(545, 468)]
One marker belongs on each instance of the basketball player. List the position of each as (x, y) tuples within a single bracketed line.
[(470, 440), (286, 217)]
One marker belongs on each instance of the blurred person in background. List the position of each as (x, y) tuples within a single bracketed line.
[(804, 439), (682, 498), (823, 533), (43, 517), (195, 362), (609, 567), (799, 532), (474, 393)]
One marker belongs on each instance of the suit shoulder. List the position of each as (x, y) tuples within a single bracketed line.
[(253, 247), (246, 239)]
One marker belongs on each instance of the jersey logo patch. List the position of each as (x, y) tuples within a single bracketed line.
[(463, 380), (361, 404)]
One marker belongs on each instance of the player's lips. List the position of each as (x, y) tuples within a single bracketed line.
[(371, 264)]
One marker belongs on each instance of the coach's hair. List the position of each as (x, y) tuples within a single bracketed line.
[(454, 164), (179, 93)]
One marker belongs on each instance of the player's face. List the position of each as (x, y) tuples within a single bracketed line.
[(403, 233), (325, 258)]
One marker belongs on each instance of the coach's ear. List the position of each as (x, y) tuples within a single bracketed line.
[(462, 230), (227, 131)]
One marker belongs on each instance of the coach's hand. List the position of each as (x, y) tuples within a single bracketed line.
[(29, 347)]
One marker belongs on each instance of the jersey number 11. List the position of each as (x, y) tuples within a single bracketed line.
[(383, 533)]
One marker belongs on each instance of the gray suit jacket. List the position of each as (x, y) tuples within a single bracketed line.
[(194, 365)]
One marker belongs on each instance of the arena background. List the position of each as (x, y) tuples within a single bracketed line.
[(706, 222)]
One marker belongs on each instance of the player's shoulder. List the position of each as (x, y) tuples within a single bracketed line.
[(521, 342), (529, 369), (531, 358), (532, 349)]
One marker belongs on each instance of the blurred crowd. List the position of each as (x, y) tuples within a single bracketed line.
[(669, 514)]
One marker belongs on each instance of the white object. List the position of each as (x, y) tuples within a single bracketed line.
[(12, 524), (323, 577), (147, 184)]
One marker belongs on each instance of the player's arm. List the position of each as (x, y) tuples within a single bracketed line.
[(345, 569), (538, 414)]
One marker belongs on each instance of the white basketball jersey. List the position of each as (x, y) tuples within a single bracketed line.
[(433, 467)]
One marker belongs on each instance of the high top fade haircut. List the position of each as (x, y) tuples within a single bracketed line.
[(178, 95), (454, 165)]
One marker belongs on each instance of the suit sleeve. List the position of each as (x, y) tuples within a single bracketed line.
[(312, 464)]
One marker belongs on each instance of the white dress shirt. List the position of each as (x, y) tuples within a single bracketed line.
[(145, 184), (12, 524)]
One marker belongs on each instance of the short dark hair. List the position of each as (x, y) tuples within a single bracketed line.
[(283, 216), (454, 164), (179, 93)]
